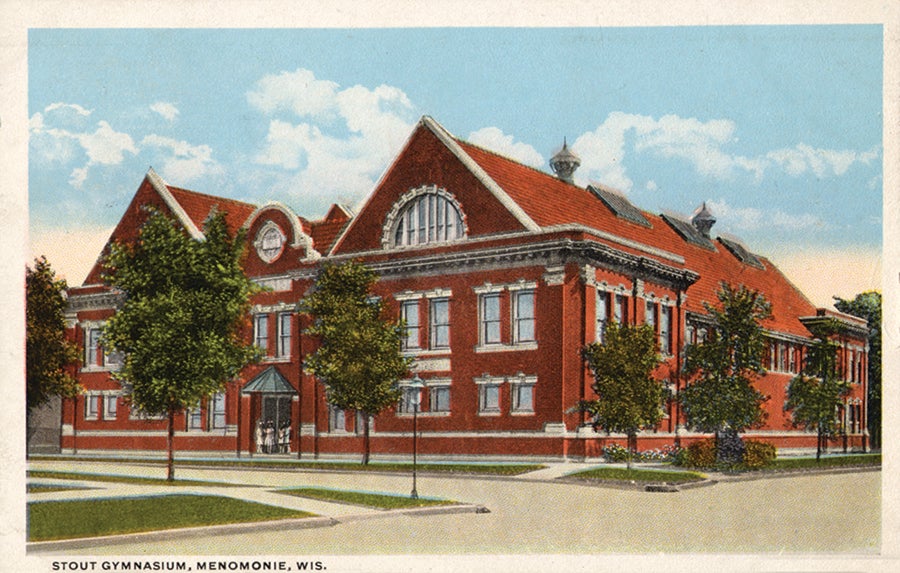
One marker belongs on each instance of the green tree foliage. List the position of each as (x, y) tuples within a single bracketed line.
[(814, 394), (359, 359), (721, 398), (629, 398), (867, 305), (180, 329), (48, 353)]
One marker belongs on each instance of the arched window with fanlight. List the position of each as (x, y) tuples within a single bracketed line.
[(425, 215)]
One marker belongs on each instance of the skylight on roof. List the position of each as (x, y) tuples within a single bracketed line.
[(619, 205), (688, 232), (741, 253)]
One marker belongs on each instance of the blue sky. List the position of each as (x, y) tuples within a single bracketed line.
[(777, 128)]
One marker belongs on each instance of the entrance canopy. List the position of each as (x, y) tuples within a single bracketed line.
[(269, 381)]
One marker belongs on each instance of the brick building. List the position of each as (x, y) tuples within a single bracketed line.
[(502, 274)]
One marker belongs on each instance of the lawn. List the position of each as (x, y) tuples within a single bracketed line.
[(368, 499), (827, 461), (637, 475), (122, 479), (510, 469), (53, 520)]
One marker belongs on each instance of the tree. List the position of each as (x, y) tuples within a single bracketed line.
[(815, 393), (628, 399), (359, 359), (180, 329), (48, 352), (867, 305), (722, 399)]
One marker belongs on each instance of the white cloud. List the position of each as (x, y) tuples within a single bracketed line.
[(494, 139), (106, 146), (298, 91), (704, 145), (67, 106), (752, 218), (165, 109), (182, 161), (346, 136)]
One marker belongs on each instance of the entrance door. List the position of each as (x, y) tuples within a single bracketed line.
[(276, 414)]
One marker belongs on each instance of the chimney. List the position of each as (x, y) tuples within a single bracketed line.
[(703, 220), (564, 163)]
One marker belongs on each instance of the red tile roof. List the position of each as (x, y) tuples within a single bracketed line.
[(551, 201), (198, 206)]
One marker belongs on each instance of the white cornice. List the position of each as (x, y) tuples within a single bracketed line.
[(450, 142), (160, 186)]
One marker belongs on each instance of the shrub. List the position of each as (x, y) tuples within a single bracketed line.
[(615, 453), (758, 454), (701, 454)]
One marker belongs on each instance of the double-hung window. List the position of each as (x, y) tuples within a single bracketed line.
[(409, 314), (440, 323), (523, 397), (523, 316), (410, 400), (110, 406), (92, 350), (261, 331), (489, 398), (490, 318), (650, 314), (217, 418), (439, 398), (91, 406), (284, 335), (602, 315), (665, 330), (620, 309)]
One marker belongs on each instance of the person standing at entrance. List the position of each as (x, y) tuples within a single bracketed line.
[(285, 439), (270, 437), (259, 436)]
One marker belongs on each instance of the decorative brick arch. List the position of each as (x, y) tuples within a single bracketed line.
[(394, 216), (301, 239)]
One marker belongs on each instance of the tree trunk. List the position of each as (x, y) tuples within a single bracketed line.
[(632, 443), (170, 447), (818, 445), (365, 439)]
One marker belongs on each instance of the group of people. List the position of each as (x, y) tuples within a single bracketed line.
[(272, 441)]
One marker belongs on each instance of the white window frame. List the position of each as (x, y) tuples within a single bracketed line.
[(92, 406), (261, 332), (602, 315), (436, 404), (427, 215), (412, 333), (110, 406), (217, 411), (486, 324), (407, 405), (283, 346), (666, 318), (439, 332), (518, 320), (337, 419)]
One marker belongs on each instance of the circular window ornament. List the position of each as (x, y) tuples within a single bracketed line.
[(269, 242)]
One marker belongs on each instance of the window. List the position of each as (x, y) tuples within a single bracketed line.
[(620, 309), (410, 400), (490, 318), (217, 418), (92, 351), (665, 330), (91, 406), (782, 357), (650, 314), (602, 315), (261, 331), (440, 323), (523, 316), (195, 418), (110, 404), (429, 218), (439, 398), (337, 420), (792, 358), (489, 398), (409, 314), (523, 398), (284, 335)]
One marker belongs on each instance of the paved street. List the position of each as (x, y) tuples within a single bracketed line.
[(810, 513)]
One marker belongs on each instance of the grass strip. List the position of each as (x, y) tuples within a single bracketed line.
[(637, 475), (53, 520), (456, 468), (367, 499), (122, 479), (838, 461)]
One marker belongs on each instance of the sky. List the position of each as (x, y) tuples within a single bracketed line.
[(777, 128)]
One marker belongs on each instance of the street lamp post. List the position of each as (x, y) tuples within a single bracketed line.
[(416, 385)]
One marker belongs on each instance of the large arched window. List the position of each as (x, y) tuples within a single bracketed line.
[(426, 215)]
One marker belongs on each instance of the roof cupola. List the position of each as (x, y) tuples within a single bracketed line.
[(703, 220), (564, 163)]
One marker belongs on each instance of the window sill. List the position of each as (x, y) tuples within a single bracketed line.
[(416, 352), (490, 414), (522, 413), (276, 360), (521, 347)]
